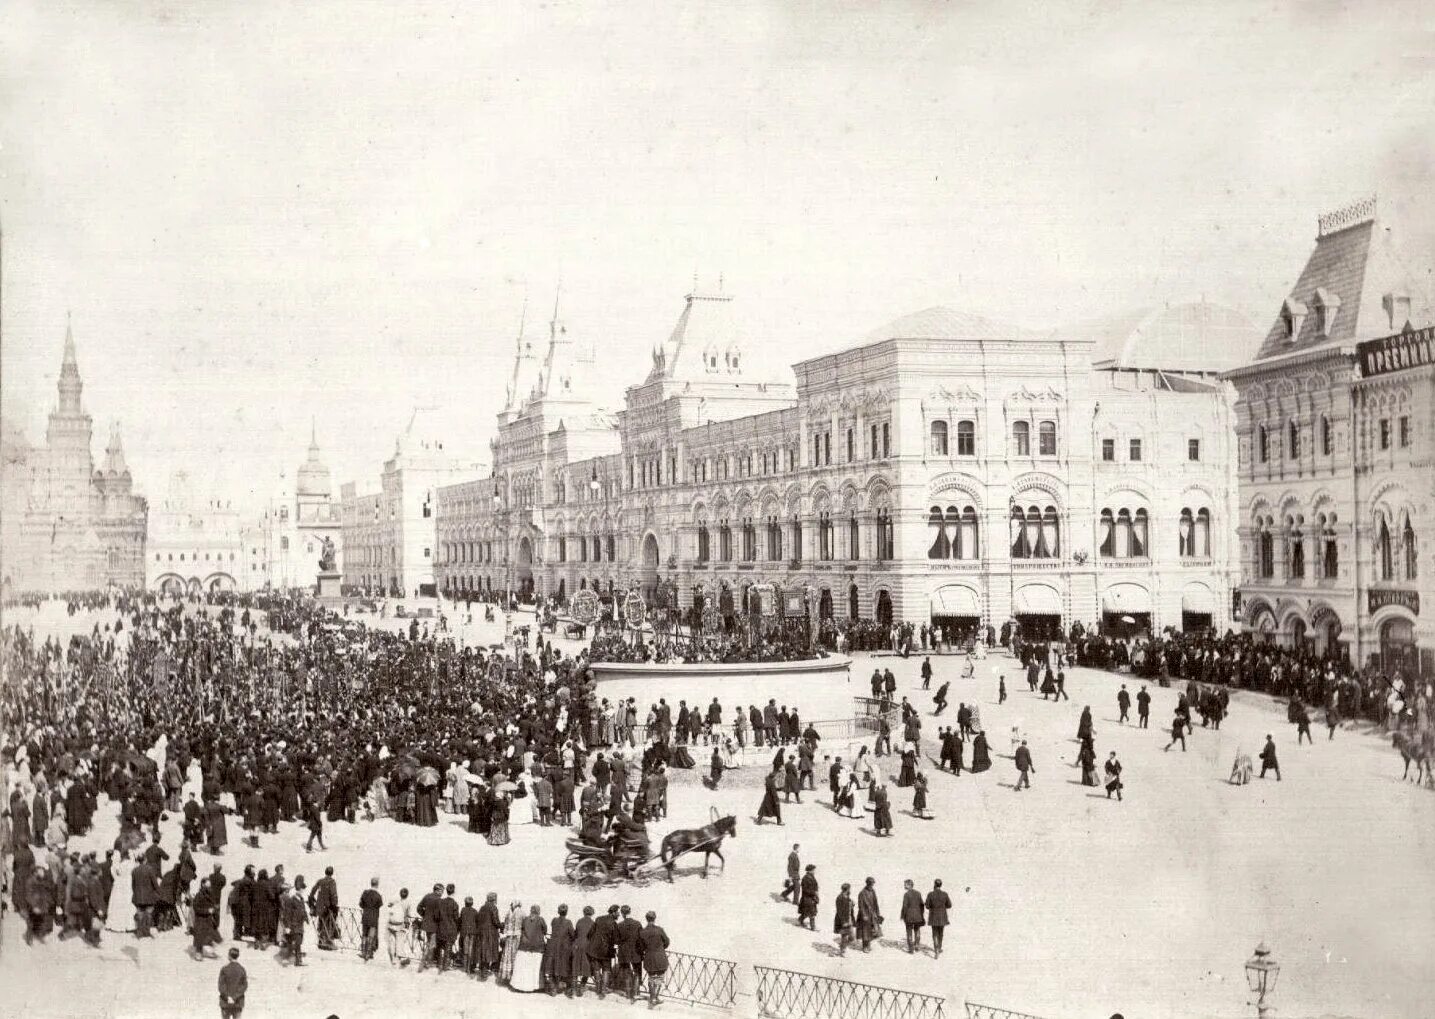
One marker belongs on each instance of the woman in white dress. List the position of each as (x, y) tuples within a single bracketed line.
[(119, 912)]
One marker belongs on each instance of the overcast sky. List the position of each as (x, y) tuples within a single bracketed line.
[(261, 212)]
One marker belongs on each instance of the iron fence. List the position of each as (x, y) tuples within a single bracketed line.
[(975, 1011), (784, 994), (349, 935), (699, 980)]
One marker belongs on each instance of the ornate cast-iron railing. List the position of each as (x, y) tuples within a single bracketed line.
[(784, 994), (699, 980)]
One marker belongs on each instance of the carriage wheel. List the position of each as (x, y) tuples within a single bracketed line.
[(590, 873), (570, 863)]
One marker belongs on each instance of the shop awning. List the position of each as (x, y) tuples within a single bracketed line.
[(955, 601), (1198, 599), (1036, 600), (1126, 599)]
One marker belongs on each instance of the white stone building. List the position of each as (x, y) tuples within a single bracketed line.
[(388, 532), (194, 545), (948, 468), (1336, 425)]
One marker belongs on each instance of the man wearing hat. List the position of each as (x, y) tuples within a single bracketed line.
[(653, 942), (370, 902), (233, 984), (600, 949), (807, 899), (628, 975), (293, 915)]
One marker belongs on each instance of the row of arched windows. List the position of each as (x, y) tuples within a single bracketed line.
[(955, 533), (1396, 561), (1035, 533)]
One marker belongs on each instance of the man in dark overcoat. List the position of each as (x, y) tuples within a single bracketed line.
[(938, 904), (144, 885)]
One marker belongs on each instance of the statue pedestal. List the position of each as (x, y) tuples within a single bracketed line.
[(329, 587)]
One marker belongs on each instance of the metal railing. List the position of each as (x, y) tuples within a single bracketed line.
[(785, 994), (975, 1011), (699, 980)]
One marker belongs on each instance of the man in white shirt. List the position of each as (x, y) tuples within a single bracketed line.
[(400, 916)]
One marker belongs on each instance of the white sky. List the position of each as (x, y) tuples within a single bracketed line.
[(260, 211)]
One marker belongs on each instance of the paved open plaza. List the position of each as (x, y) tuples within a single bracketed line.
[(1066, 902)]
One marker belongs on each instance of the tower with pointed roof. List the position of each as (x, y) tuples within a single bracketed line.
[(80, 528)]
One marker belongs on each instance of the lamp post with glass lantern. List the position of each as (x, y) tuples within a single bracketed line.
[(1261, 973)]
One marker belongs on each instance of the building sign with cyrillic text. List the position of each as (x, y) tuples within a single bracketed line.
[(1379, 599), (1396, 353)]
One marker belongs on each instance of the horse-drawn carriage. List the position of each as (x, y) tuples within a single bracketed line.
[(593, 864)]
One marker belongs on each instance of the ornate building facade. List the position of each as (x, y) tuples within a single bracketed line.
[(66, 525), (387, 533), (1336, 431), (195, 545), (949, 468)]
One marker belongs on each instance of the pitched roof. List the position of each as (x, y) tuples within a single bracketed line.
[(943, 323), (705, 329), (1346, 278), (1190, 337)]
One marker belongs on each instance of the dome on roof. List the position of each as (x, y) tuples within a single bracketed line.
[(313, 477), (1193, 337)]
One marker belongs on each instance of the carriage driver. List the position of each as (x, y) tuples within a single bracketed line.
[(628, 839)]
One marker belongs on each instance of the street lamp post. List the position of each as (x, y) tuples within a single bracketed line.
[(501, 512), (1261, 973)]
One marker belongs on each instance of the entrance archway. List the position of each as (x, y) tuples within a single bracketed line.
[(650, 569), (1397, 647), (824, 604), (884, 608), (1297, 632), (525, 568)]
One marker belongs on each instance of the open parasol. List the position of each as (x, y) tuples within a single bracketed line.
[(428, 776)]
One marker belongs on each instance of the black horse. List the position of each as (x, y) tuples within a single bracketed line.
[(707, 839)]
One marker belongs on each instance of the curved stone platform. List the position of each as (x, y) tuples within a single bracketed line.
[(836, 666)]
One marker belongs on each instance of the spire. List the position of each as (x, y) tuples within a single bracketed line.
[(70, 385), (525, 365), (313, 436), (115, 452)]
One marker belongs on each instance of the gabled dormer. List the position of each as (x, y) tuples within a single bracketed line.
[(1293, 315), (1327, 307)]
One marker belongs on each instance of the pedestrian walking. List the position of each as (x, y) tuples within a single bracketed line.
[(770, 806), (882, 817), (808, 899), (926, 673), (844, 919), (869, 915), (1024, 767), (1001, 689), (1123, 702), (1268, 759), (1113, 777), (794, 874), (914, 916), (1178, 732), (1143, 708), (233, 986), (938, 904)]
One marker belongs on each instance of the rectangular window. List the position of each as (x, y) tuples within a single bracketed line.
[(1384, 433), (827, 448), (428, 552), (1404, 430), (1135, 450), (1193, 449), (1108, 450), (886, 440)]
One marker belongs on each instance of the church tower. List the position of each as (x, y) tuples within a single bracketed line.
[(70, 464)]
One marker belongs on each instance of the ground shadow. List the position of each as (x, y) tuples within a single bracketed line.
[(824, 948)]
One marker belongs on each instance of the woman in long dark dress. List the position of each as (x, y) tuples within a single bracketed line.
[(919, 795), (909, 767), (981, 754), (770, 807), (882, 818), (498, 821), (1084, 728), (1086, 757)]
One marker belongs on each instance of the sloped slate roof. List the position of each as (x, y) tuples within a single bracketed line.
[(1190, 337)]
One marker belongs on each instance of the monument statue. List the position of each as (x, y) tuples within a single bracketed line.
[(326, 556)]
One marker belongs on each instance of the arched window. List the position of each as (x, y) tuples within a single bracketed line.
[(1021, 438), (724, 541), (1383, 551), (966, 438), (854, 542), (885, 538), (797, 539), (1106, 548), (1047, 434), (941, 543), (968, 536), (1407, 543), (1020, 545), (1325, 437), (1139, 544), (1295, 539), (1186, 534), (1292, 441), (1329, 548), (1203, 533), (1263, 443), (825, 550), (702, 541), (939, 438), (774, 539), (1265, 549)]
